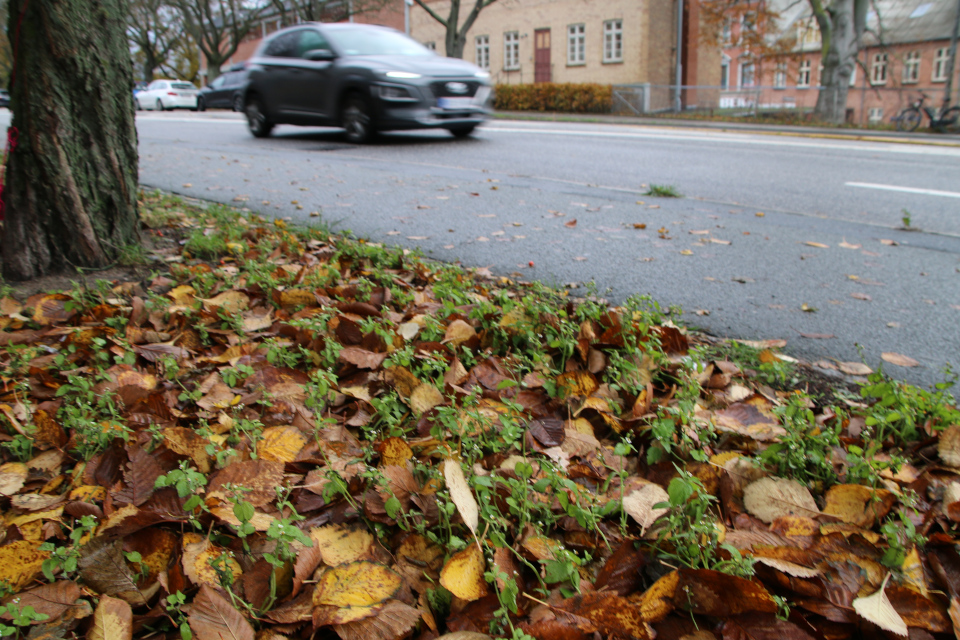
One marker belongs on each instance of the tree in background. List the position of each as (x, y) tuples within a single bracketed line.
[(219, 26), (183, 63), (841, 24), (323, 10), (71, 181), (154, 29), (456, 36), (4, 47)]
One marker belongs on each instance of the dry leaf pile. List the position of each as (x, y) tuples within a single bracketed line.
[(309, 434)]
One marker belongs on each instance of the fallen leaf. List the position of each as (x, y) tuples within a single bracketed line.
[(461, 494), (898, 359), (858, 505), (817, 336), (819, 245), (211, 617), (639, 505), (570, 223), (854, 368), (847, 245), (772, 498), (877, 609), (361, 584), (462, 575), (112, 620), (861, 296), (341, 544)]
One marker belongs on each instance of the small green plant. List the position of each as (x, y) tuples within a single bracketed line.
[(174, 606), (901, 535), (64, 559), (189, 483), (906, 218), (19, 618), (663, 191)]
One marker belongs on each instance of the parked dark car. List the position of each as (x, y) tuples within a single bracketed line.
[(225, 92), (363, 78), (4, 98)]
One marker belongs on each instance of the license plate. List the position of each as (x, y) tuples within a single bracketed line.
[(454, 103)]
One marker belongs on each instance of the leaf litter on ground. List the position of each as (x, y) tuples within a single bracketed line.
[(288, 432)]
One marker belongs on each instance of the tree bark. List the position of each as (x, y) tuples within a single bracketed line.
[(841, 27), (71, 182)]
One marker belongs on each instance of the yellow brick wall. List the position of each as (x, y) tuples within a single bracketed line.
[(648, 34)]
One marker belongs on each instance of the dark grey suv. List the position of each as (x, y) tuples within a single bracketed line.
[(363, 78)]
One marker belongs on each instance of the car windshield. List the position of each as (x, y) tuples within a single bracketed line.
[(181, 85), (375, 42)]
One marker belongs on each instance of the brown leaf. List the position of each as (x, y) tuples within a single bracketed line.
[(621, 572), (547, 431), (854, 368), (362, 358), (104, 569), (612, 615), (570, 224), (753, 419), (817, 336), (639, 505), (259, 478), (762, 626), (393, 621), (112, 620), (140, 478), (858, 505), (771, 498), (211, 617), (898, 359), (50, 599)]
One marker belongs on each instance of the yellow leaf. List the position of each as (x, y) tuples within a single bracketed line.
[(424, 398), (182, 295), (458, 332), (230, 301), (358, 584), (280, 444), (461, 494), (12, 477), (113, 620), (463, 574), (340, 544), (878, 610), (857, 504), (198, 553), (20, 563)]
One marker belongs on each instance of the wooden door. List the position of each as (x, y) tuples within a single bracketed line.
[(541, 55)]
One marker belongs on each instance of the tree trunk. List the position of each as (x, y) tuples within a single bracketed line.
[(841, 26), (71, 192)]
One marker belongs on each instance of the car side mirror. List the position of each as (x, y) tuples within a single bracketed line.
[(319, 55)]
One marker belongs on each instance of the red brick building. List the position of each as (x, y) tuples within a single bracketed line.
[(904, 52)]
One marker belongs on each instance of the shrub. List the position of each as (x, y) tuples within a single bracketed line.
[(549, 96)]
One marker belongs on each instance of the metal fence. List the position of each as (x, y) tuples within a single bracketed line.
[(866, 105)]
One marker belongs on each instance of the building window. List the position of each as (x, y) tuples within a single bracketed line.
[(747, 74), (780, 76), (725, 73), (576, 44), (878, 70), (613, 41), (483, 52), (430, 45), (725, 32), (875, 115), (911, 67), (511, 50), (803, 74), (748, 23), (940, 66)]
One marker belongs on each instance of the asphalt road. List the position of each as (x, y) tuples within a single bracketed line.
[(769, 225)]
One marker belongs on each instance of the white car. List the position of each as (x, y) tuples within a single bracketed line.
[(167, 94)]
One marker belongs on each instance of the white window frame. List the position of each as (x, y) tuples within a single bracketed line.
[(875, 115), (911, 67), (803, 74), (939, 73), (780, 76), (576, 44), (724, 72), (613, 41), (511, 50), (878, 69), (482, 52), (753, 74)]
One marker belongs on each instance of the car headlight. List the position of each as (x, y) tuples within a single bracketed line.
[(405, 75)]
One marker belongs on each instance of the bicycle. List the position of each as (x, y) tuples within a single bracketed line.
[(911, 117)]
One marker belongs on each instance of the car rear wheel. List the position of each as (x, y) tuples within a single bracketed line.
[(257, 120), (201, 104), (238, 103), (462, 131), (357, 119), (159, 104)]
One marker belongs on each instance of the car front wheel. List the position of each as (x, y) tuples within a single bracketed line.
[(257, 120), (238, 104), (159, 104), (357, 119), (462, 131)]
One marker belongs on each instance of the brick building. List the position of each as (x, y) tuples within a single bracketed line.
[(904, 52), (610, 42)]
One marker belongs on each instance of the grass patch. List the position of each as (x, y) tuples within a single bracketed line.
[(663, 191)]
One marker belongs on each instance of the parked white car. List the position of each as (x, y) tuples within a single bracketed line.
[(167, 94)]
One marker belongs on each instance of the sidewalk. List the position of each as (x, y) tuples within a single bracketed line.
[(896, 137)]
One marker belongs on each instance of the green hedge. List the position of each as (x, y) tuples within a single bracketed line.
[(549, 96)]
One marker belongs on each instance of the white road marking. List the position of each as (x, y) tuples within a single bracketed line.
[(889, 187)]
